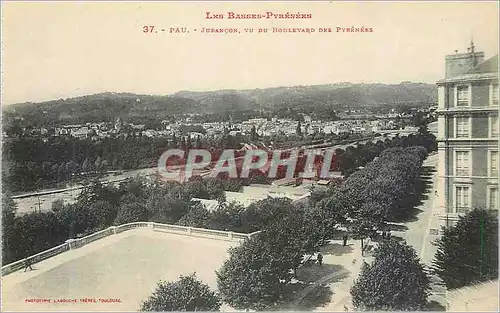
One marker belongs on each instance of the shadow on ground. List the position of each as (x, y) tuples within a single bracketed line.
[(336, 249), (395, 227), (318, 297), (435, 306), (312, 273)]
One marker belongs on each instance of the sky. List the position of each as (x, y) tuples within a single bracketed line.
[(53, 50)]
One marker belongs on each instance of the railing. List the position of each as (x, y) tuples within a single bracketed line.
[(176, 229), (80, 242), (202, 232), (124, 227), (12, 267)]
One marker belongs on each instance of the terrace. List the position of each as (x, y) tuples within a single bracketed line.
[(114, 269)]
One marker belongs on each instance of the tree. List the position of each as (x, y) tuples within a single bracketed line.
[(35, 232), (249, 279), (253, 134), (395, 281), (101, 214), (196, 188), (299, 130), (215, 188), (174, 141), (86, 166), (131, 212), (260, 214), (198, 142), (9, 209), (57, 205), (227, 216), (98, 164), (197, 216), (166, 208), (186, 294), (318, 194), (468, 251)]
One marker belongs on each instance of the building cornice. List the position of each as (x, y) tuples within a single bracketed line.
[(467, 110), (468, 78)]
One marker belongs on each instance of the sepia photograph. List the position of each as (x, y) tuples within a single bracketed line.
[(244, 156)]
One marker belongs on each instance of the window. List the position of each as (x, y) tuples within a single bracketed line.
[(492, 200), (462, 96), (462, 166), (462, 199), (462, 127), (494, 95), (494, 126), (493, 164)]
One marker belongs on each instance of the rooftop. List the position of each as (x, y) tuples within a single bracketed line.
[(486, 70), (488, 66)]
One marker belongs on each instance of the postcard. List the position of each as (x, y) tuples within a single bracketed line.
[(250, 156)]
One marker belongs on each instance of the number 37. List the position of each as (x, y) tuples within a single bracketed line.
[(147, 29)]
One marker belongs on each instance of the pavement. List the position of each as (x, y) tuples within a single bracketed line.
[(42, 200), (482, 297), (328, 286), (418, 232)]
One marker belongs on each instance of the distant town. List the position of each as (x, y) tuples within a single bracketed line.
[(354, 122)]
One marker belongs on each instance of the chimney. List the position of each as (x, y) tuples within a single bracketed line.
[(461, 63)]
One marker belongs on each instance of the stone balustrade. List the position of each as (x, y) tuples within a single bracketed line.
[(113, 230)]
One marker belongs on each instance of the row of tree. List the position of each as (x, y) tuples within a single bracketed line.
[(258, 274), (99, 206), (387, 189)]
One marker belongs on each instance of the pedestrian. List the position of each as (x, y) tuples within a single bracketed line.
[(345, 240), (320, 259), (388, 234), (27, 264), (383, 235)]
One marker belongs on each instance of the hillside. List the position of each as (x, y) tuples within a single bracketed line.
[(103, 107), (343, 95), (109, 106)]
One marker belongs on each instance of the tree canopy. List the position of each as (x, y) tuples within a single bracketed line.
[(395, 281), (186, 294), (468, 251)]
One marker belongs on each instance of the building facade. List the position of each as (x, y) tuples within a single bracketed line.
[(468, 130)]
